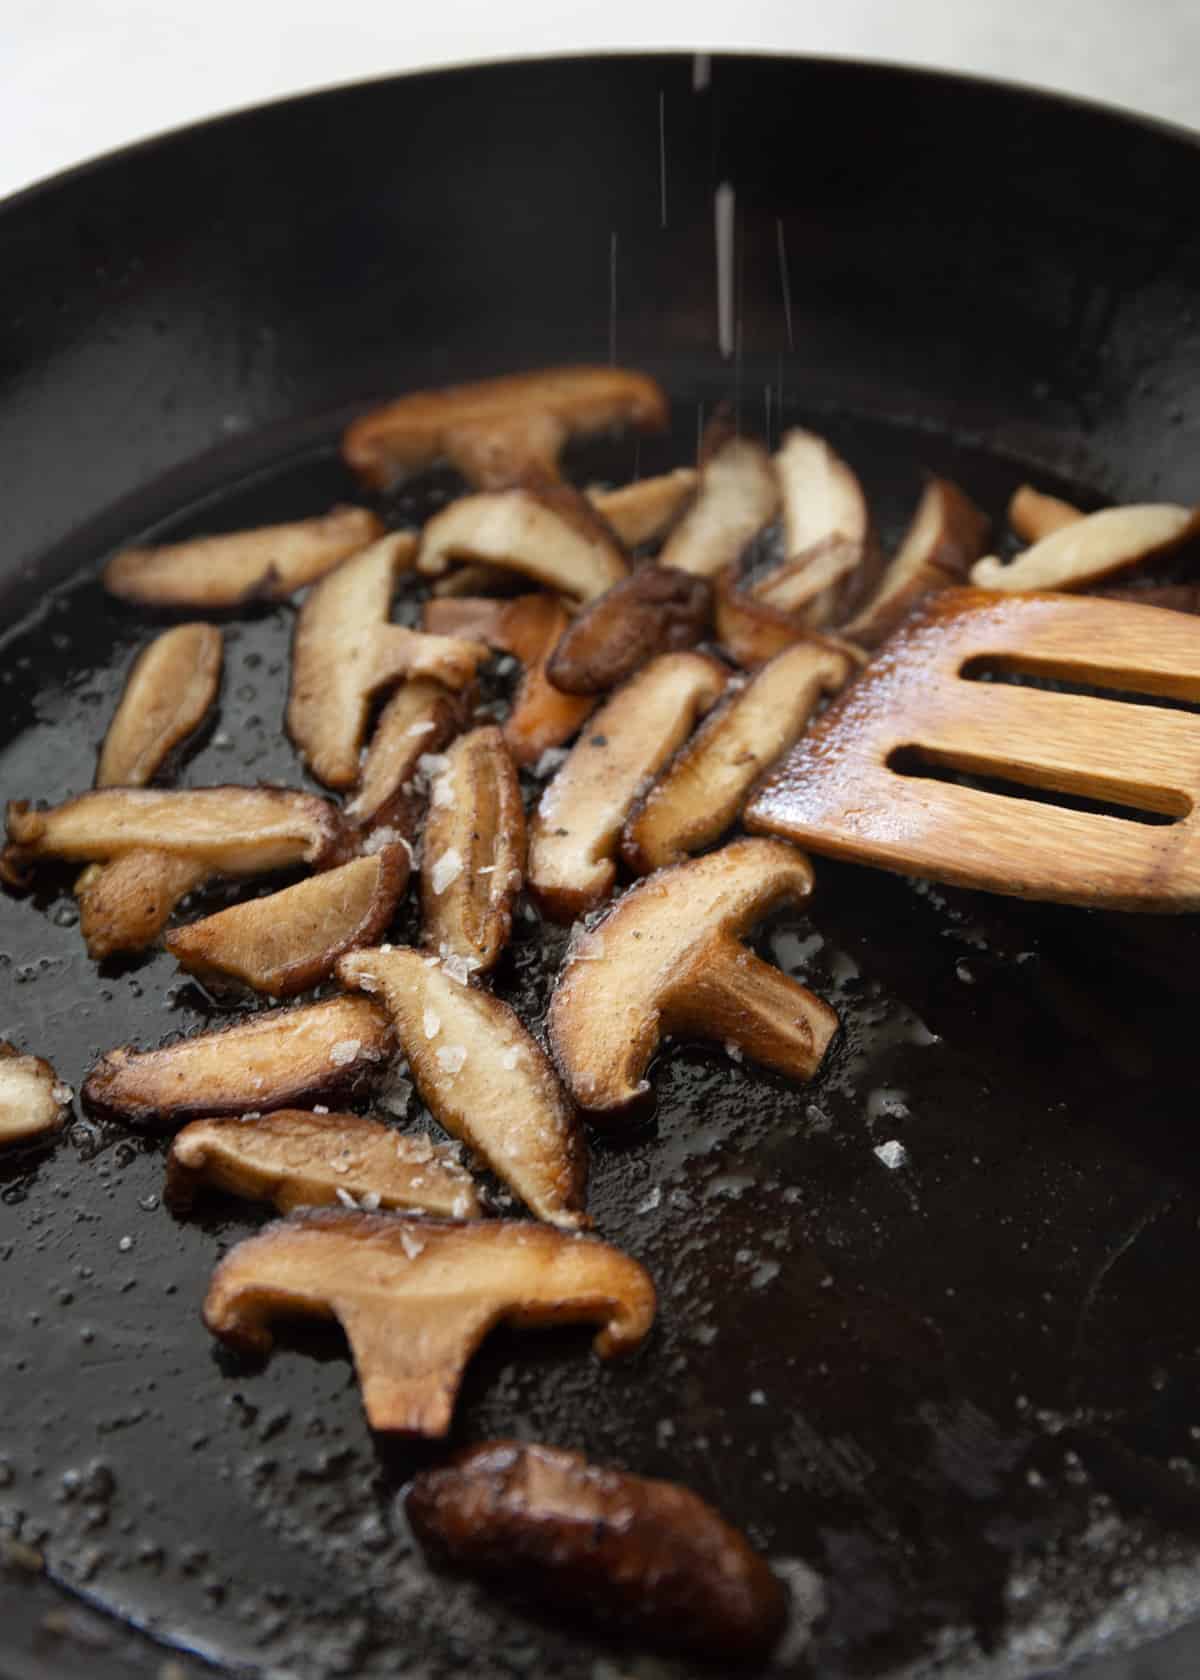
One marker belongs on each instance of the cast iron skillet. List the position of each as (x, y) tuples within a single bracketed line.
[(963, 1393)]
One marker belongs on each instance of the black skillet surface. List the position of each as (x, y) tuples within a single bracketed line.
[(962, 1392)]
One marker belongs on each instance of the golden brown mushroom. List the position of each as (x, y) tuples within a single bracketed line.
[(230, 830), (499, 432), (474, 851), (747, 630), (290, 940), (482, 1076), (831, 556), (529, 628), (1091, 549), (550, 535), (124, 905), (644, 1558), (267, 1061), (668, 959), (33, 1100), (345, 652), (946, 537), (416, 1297), (703, 789), (168, 693), (294, 1158), (269, 564), (644, 511), (738, 496), (575, 830), (654, 610), (418, 721)]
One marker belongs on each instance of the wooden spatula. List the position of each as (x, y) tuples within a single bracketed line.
[(858, 784)]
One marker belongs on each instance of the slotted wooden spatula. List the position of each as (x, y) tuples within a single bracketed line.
[(858, 784)]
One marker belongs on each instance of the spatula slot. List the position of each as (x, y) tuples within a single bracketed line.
[(1134, 688), (920, 762)]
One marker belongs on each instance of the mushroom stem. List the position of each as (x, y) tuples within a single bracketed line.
[(734, 996)]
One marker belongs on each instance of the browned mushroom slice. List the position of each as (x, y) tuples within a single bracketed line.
[(748, 631), (536, 532), (268, 1061), (648, 1557), (215, 572), (574, 833), (500, 431), (345, 651), (946, 536), (474, 851), (33, 1100), (124, 905), (482, 1077), (1088, 550), (827, 535), (643, 512), (168, 693), (416, 1297), (233, 830), (738, 495), (288, 941), (477, 580), (655, 610), (529, 628), (668, 959), (298, 1159), (705, 786), (1034, 515), (420, 719)]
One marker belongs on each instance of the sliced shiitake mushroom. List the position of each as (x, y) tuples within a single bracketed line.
[(345, 652), (574, 833), (290, 940), (668, 959), (831, 556), (474, 851), (124, 905), (646, 1558), (231, 830), (655, 610), (416, 1297), (537, 532), (33, 1100), (749, 632), (499, 432), (482, 1077), (420, 719), (703, 789), (529, 628), (1088, 550), (168, 693), (295, 1158), (265, 564), (946, 537), (1034, 515), (644, 511), (267, 1061), (738, 495)]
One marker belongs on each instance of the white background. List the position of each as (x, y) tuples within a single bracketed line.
[(78, 77)]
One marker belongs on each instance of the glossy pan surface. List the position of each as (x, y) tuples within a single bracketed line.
[(962, 1394)]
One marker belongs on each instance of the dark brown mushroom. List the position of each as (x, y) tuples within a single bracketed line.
[(646, 1558), (655, 610)]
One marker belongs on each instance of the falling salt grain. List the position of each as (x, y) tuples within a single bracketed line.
[(344, 1051), (432, 1023), (125, 1244), (447, 869), (450, 1058), (757, 1397), (892, 1154)]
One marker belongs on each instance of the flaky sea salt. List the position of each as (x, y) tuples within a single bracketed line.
[(650, 1202), (411, 1245), (346, 1199), (370, 1201), (892, 1153), (510, 1058), (380, 839), (397, 1098), (432, 1023), (421, 728), (430, 765), (457, 967), (441, 792), (447, 869), (450, 1058), (344, 1051)]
